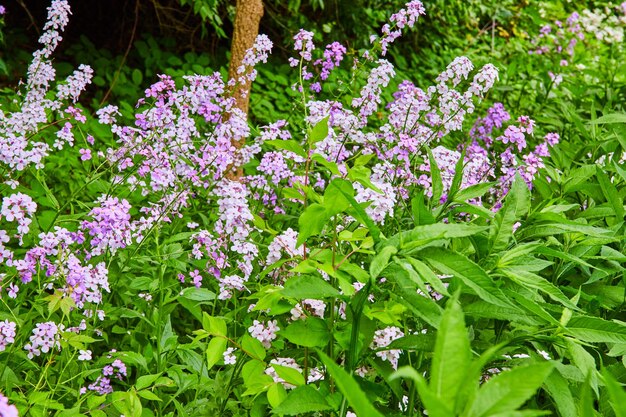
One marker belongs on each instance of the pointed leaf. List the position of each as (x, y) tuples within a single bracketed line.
[(509, 390), (471, 274), (349, 388), (452, 354)]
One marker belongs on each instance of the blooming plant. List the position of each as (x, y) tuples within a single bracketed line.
[(383, 236)]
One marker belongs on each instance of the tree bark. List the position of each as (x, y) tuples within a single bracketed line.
[(247, 18)]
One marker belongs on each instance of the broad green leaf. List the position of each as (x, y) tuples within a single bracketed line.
[(586, 407), (359, 213), (198, 294), (617, 394), (287, 145), (215, 326), (429, 276), (584, 361), (611, 194), (621, 171), (549, 229), (452, 354), (381, 260), (473, 191), (310, 332), (423, 307), (148, 395), (311, 222), (146, 380), (458, 175), (308, 286), (421, 213), (533, 307), (349, 388), (319, 131), (331, 166), (471, 274), (596, 330), (433, 404), (362, 175), (509, 390), (253, 347), (610, 119), (335, 200), (559, 390), (304, 399), (427, 233), (276, 393), (289, 375), (215, 350), (424, 342), (516, 204), (414, 276), (530, 280)]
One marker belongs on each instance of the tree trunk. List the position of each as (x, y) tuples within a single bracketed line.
[(247, 18)]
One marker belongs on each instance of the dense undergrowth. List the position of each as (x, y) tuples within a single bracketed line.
[(438, 230)]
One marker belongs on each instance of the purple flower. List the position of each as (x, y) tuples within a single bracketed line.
[(6, 409), (85, 154)]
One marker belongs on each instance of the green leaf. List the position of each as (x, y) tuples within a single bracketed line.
[(311, 222), (530, 280), (319, 131), (421, 214), (215, 350), (423, 342), (423, 307), (359, 213), (558, 388), (127, 403), (311, 332), (308, 286), (287, 145), (253, 347), (146, 380), (276, 394), (473, 191), (304, 399), (509, 390), (198, 294), (349, 388), (610, 119), (433, 404), (611, 194), (429, 276), (381, 260), (362, 175), (215, 326), (458, 175), (335, 200), (429, 232), (289, 375), (148, 395), (596, 330), (452, 354), (617, 394), (331, 166), (471, 274), (516, 204)]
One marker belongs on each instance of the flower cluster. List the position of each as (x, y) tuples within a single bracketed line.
[(45, 337), (383, 338), (18, 208), (7, 334), (264, 333)]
